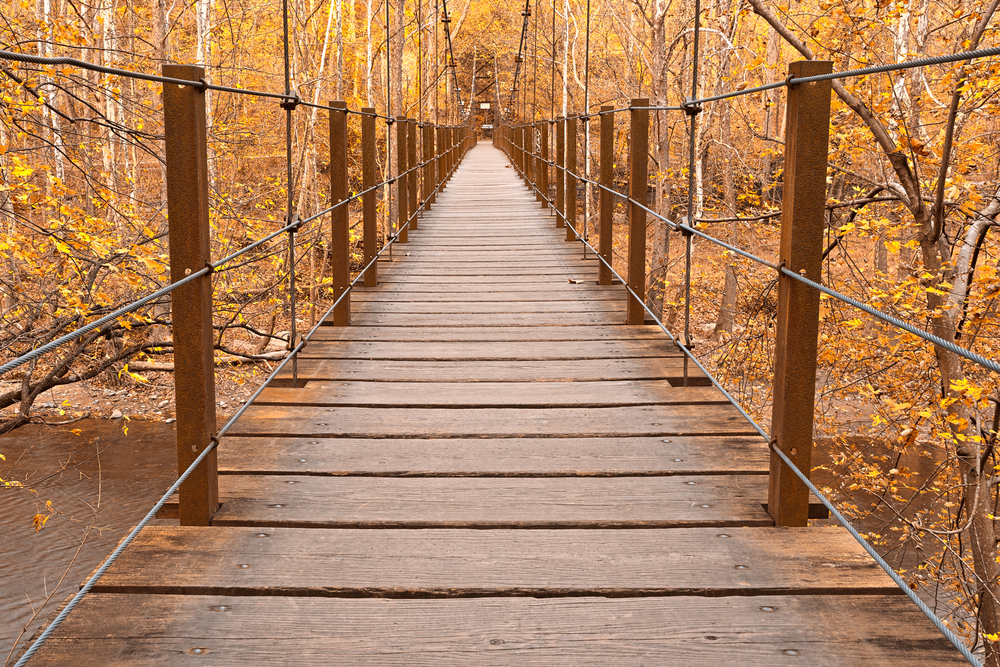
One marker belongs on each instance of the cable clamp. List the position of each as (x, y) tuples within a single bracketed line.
[(690, 108), (389, 120), (213, 439), (210, 267), (294, 223), (204, 84), (789, 79), (780, 266), (289, 103)]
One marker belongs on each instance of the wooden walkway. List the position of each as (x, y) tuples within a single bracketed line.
[(488, 468)]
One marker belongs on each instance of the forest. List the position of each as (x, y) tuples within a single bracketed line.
[(905, 430)]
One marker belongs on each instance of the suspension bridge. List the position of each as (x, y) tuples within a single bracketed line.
[(490, 449)]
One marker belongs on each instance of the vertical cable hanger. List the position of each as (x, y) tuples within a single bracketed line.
[(437, 63), (456, 90), (526, 13), (692, 110), (586, 135), (534, 78), (552, 70), (420, 66), (289, 104), (390, 224)]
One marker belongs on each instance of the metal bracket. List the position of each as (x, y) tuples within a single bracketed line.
[(294, 224), (290, 103), (690, 108)]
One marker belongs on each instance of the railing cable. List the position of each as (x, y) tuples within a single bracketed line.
[(130, 537), (898, 580)]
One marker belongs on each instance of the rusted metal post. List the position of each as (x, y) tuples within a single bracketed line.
[(807, 135), (560, 173), (432, 133), (570, 178), (402, 197), (191, 304), (370, 224), (340, 245), (638, 167), (413, 180), (427, 152), (543, 163), (607, 180)]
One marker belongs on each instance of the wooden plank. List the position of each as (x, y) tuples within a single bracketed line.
[(486, 319), (671, 369), (492, 502), (578, 269), (488, 333), (470, 563), (492, 394), (612, 422), (555, 279), (497, 295), (507, 457), (821, 631), (474, 307), (519, 292), (490, 351)]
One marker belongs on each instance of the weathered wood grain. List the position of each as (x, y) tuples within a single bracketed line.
[(507, 457), (489, 394), (490, 351), (470, 563), (617, 422), (492, 502), (486, 319), (491, 333), (476, 307), (820, 631), (497, 295), (672, 369)]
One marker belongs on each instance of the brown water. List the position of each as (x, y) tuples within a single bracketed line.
[(102, 480)]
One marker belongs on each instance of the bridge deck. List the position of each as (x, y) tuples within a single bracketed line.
[(489, 468)]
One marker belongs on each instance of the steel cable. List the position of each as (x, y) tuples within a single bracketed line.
[(130, 537), (927, 611)]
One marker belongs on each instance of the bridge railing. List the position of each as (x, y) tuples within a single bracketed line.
[(798, 268), (417, 181)]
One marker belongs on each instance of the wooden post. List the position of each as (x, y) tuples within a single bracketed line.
[(543, 164), (191, 304), (413, 180), (447, 154), (570, 178), (560, 174), (807, 135), (440, 153), (427, 146), (638, 167), (526, 143), (607, 180), (340, 244), (402, 197), (368, 199)]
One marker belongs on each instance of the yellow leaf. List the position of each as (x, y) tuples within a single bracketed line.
[(76, 431), (39, 521)]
